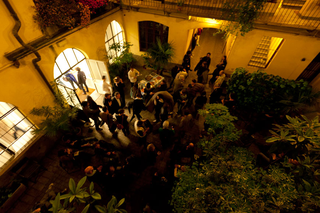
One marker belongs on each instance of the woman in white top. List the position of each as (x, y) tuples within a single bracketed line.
[(107, 88)]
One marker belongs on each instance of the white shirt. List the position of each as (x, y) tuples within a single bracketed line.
[(106, 87), (132, 75)]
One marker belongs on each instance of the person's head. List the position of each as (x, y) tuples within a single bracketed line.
[(183, 92), (221, 72), (84, 104), (105, 109), (195, 35), (112, 169), (208, 55), (224, 57), (232, 96), (77, 68), (189, 86), (88, 170), (193, 82), (189, 52), (116, 79), (166, 124), (131, 67), (107, 96), (204, 93), (121, 111), (148, 85), (139, 123), (104, 78), (117, 95), (151, 148), (89, 99), (138, 95), (190, 146)]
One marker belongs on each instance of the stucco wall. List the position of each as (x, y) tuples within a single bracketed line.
[(286, 63), (178, 31), (23, 86)]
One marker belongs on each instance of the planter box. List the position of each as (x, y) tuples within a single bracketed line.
[(14, 197)]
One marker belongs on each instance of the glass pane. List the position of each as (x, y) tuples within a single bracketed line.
[(79, 54), (120, 37), (62, 63), (4, 157), (109, 33), (107, 46), (116, 40), (70, 57), (56, 71), (5, 107)]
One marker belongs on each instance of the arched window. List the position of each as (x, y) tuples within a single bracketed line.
[(114, 34), (64, 67), (15, 132), (149, 31)]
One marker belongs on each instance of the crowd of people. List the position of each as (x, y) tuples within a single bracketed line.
[(107, 166)]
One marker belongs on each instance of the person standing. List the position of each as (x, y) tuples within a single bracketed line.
[(202, 69), (106, 86), (204, 59), (108, 119), (186, 61), (122, 122), (82, 80), (158, 104), (138, 106), (194, 42), (133, 75), (116, 102), (70, 77), (118, 86), (91, 113), (107, 102)]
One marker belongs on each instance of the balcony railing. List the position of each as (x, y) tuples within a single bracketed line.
[(303, 14)]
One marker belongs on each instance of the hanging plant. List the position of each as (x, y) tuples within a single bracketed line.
[(240, 15), (62, 13)]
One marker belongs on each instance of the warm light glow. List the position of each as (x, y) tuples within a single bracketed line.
[(206, 20)]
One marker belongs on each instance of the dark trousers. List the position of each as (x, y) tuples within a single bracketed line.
[(137, 113), (82, 87)]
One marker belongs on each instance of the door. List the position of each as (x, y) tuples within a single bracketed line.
[(312, 70), (98, 69)]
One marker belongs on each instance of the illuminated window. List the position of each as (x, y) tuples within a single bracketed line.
[(64, 66), (149, 31), (265, 51), (114, 34), (15, 132)]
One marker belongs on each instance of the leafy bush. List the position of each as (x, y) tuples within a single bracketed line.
[(228, 180), (265, 93)]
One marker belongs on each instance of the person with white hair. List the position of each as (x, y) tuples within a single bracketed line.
[(166, 134)]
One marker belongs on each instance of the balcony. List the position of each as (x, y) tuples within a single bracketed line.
[(302, 14)]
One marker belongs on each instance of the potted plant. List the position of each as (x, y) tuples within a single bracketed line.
[(57, 118), (159, 55), (123, 59), (10, 194), (180, 4)]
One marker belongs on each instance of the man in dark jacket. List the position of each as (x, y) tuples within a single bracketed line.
[(82, 80)]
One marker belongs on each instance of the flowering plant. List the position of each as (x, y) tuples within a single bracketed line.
[(93, 4), (60, 13)]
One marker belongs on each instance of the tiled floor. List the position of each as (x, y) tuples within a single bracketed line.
[(138, 192)]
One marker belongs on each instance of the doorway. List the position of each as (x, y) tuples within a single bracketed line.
[(66, 76)]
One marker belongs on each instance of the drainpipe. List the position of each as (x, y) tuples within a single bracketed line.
[(15, 31)]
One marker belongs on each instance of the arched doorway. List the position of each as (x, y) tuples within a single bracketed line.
[(67, 77), (15, 132)]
